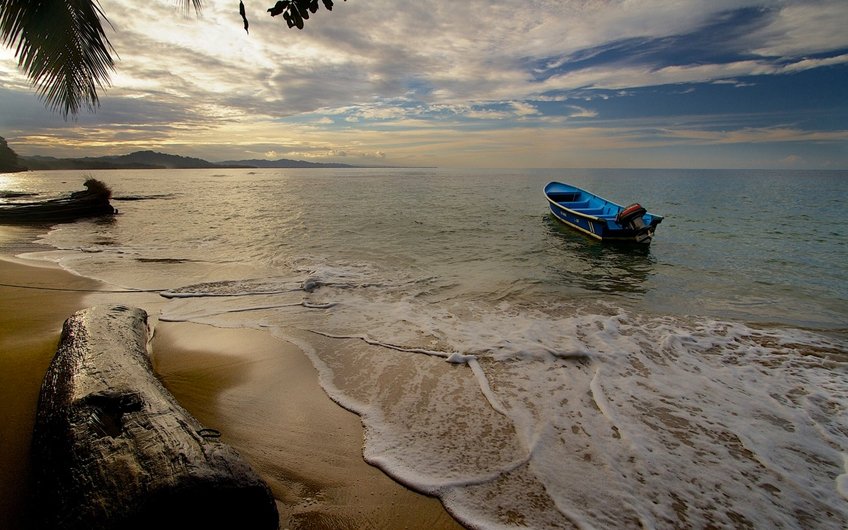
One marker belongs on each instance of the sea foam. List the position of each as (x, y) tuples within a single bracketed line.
[(574, 415)]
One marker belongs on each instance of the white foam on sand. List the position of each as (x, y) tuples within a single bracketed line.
[(588, 415)]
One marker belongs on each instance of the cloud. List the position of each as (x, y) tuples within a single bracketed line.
[(406, 81), (756, 135), (734, 82), (431, 53), (468, 55), (488, 114), (581, 112), (616, 78), (381, 112), (809, 64), (803, 28), (523, 109)]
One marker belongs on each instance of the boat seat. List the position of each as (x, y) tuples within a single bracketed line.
[(574, 205), (589, 211), (565, 196)]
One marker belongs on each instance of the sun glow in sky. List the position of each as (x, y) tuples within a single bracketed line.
[(478, 83)]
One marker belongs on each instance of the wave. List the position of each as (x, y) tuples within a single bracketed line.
[(147, 197), (566, 413)]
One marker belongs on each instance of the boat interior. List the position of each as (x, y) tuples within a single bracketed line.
[(578, 202)]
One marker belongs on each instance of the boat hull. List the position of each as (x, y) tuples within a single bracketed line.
[(597, 217)]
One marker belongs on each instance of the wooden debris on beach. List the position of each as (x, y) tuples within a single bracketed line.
[(112, 449), (92, 202)]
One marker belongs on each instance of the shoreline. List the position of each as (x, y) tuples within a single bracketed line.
[(262, 393)]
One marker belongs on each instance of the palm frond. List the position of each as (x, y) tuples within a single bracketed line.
[(196, 4), (61, 46)]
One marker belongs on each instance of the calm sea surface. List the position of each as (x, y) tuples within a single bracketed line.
[(523, 373)]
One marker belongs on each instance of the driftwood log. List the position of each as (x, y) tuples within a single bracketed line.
[(92, 202), (112, 449)]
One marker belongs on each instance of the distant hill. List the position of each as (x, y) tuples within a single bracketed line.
[(136, 160), (9, 160), (161, 160), (154, 160), (283, 162)]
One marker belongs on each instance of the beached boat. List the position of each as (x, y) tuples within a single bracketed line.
[(599, 218)]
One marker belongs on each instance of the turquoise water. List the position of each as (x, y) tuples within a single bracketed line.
[(495, 356)]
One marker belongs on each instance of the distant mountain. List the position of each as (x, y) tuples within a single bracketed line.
[(160, 160), (283, 162), (154, 160), (136, 160), (9, 160)]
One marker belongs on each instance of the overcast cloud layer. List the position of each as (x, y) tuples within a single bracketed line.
[(648, 83)]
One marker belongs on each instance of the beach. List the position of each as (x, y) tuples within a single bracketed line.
[(505, 367), (30, 324), (231, 380)]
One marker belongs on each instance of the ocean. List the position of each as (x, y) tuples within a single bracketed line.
[(523, 373)]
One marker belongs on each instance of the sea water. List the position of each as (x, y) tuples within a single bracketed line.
[(525, 374)]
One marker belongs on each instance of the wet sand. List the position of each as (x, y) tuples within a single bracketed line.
[(30, 324), (262, 394)]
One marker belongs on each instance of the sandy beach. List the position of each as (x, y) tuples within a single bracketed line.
[(260, 392), (30, 324)]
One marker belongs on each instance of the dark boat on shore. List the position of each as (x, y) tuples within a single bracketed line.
[(599, 218), (92, 202)]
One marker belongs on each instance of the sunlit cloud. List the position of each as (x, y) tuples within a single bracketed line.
[(613, 78), (764, 135), (803, 28), (523, 109), (432, 83)]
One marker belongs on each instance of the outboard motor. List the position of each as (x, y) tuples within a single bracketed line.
[(632, 217)]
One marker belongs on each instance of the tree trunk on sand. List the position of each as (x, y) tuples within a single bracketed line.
[(93, 202), (112, 449)]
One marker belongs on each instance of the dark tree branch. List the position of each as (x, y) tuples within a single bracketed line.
[(296, 11)]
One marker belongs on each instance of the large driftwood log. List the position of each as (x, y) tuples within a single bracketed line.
[(112, 449), (93, 202)]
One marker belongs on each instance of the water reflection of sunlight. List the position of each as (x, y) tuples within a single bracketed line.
[(7, 181)]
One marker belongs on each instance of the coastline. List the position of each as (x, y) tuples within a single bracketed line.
[(232, 380), (262, 393)]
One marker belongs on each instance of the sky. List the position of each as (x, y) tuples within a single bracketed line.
[(477, 83)]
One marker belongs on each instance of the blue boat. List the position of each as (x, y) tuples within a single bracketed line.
[(599, 218)]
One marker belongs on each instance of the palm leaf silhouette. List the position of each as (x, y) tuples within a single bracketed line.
[(62, 47)]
